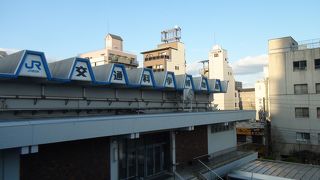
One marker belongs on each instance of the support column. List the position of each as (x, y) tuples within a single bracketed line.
[(10, 164), (114, 162), (173, 149)]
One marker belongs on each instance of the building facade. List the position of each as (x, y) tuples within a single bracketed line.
[(68, 120), (112, 53), (247, 99), (294, 93), (168, 56), (219, 68)]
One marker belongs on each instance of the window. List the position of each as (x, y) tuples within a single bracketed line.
[(318, 112), (176, 67), (317, 64), (235, 94), (235, 104), (216, 55), (302, 112), (318, 138), (317, 88), (303, 137), (300, 65), (301, 89)]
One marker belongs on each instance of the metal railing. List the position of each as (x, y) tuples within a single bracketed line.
[(176, 175), (213, 175)]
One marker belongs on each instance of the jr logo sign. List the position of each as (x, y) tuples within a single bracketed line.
[(34, 66)]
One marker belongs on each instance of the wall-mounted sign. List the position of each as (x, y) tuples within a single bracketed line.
[(81, 72), (146, 78), (187, 83), (217, 86), (33, 67), (169, 81), (204, 85), (118, 76)]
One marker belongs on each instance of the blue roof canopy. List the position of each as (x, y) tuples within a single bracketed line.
[(111, 74), (25, 63), (72, 69)]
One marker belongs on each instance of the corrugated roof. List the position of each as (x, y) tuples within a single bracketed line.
[(281, 169)]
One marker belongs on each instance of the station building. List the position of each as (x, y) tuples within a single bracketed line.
[(69, 120)]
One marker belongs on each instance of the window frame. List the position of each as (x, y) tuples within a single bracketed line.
[(317, 89), (301, 89), (300, 67), (315, 64), (303, 112), (303, 137)]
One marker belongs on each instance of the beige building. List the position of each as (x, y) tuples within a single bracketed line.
[(247, 99), (294, 93), (112, 53), (219, 68), (168, 56)]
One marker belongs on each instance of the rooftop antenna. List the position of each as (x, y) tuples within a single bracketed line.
[(108, 26)]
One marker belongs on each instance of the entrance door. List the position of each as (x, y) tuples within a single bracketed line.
[(154, 159)]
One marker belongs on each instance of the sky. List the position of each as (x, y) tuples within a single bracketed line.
[(66, 28)]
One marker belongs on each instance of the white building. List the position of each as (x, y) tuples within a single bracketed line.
[(261, 95), (219, 68), (112, 53), (294, 92)]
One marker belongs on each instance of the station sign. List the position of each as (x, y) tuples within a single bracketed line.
[(81, 71), (188, 82), (204, 85), (33, 66), (169, 81), (146, 78), (117, 76)]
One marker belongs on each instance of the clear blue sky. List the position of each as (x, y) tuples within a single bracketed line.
[(66, 28)]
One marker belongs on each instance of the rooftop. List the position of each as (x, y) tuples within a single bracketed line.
[(115, 37), (267, 169), (158, 49)]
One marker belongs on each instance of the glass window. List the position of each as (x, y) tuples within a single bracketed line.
[(301, 89), (317, 88), (176, 67), (317, 63), (318, 112), (300, 65), (302, 136), (302, 112)]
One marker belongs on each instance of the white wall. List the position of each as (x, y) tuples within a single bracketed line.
[(221, 140)]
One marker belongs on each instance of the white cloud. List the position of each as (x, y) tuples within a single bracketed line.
[(194, 68), (250, 64), (9, 51)]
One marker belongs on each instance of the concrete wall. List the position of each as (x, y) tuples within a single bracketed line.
[(221, 140), (81, 160), (283, 101), (10, 164)]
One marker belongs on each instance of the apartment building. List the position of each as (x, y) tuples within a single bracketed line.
[(219, 68), (294, 94), (112, 53), (169, 55)]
